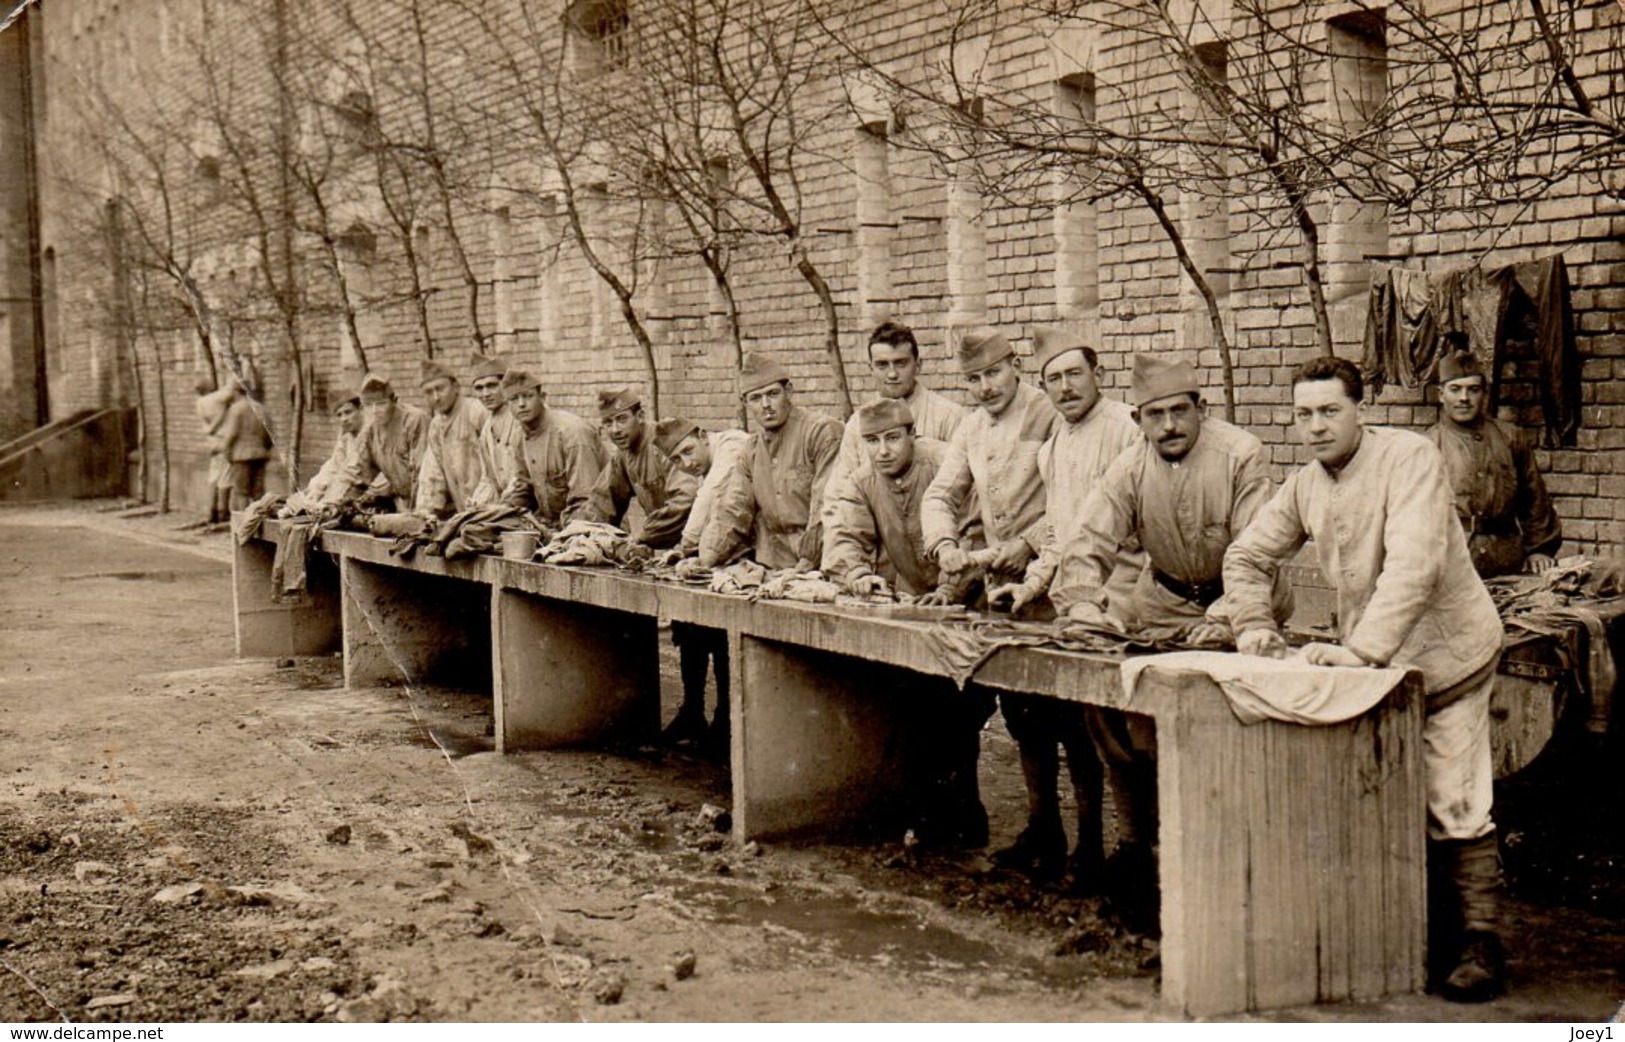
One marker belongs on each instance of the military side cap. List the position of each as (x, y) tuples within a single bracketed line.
[(612, 400), (485, 366), (669, 433), (1051, 342), (757, 371), (883, 415), (431, 370), (518, 380), (376, 389), (345, 394), (1459, 365), (980, 347), (1156, 378)]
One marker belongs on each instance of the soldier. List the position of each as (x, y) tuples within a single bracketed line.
[(502, 432), (559, 460), (637, 469), (1182, 493), (391, 444), (874, 545), (453, 475), (1093, 431), (347, 411), (1500, 496), (993, 456), (245, 441), (894, 358), (780, 476), (710, 458), (211, 406), (1377, 504)]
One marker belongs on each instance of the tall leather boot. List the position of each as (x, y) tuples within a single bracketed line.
[(1480, 966), (1040, 849), (1088, 861)]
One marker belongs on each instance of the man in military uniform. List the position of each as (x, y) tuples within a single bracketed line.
[(1377, 504), (391, 444), (874, 546), (453, 475), (559, 460), (502, 432), (779, 481), (1500, 496), (639, 470), (1182, 493)]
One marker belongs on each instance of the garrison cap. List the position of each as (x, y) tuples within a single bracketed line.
[(612, 400), (882, 415), (345, 394), (517, 380), (757, 371), (981, 347), (485, 366), (431, 370), (1459, 365), (376, 388), (1156, 378), (669, 433), (1051, 342)]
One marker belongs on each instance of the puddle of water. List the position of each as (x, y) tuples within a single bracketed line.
[(843, 925), (160, 577)]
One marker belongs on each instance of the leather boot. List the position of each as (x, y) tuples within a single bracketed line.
[(1086, 866), (1480, 970), (1039, 851)]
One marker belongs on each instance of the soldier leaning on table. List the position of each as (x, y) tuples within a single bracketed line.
[(1378, 506), (557, 462), (1181, 493), (710, 458)]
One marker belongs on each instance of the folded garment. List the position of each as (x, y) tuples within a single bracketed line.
[(393, 526), (1288, 689)]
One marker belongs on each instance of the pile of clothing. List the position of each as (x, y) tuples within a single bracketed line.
[(594, 543), (1573, 608)]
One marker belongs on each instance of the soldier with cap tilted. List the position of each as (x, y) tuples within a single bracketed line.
[(391, 444), (638, 470), (453, 476)]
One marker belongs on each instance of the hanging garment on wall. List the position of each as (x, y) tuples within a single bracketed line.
[(1517, 311)]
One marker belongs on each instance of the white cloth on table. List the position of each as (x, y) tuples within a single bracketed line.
[(1288, 689)]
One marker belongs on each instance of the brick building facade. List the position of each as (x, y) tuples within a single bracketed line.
[(895, 225)]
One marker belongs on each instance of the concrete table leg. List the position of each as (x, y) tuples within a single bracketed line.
[(820, 741), (298, 625), (1292, 857), (408, 627), (571, 674)]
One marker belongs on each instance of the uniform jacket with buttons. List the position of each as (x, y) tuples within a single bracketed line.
[(453, 476), (1071, 464), (873, 524), (555, 467), (393, 449), (1500, 496), (665, 492), (1385, 531), (994, 458), (726, 448), (771, 493), (1183, 513), (498, 442)]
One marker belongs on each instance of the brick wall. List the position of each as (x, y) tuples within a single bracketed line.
[(925, 250)]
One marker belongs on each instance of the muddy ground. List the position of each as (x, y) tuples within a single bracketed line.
[(184, 836)]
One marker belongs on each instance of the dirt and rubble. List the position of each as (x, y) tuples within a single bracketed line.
[(185, 836)]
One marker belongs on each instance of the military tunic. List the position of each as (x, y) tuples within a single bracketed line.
[(726, 448), (1500, 496), (555, 467), (780, 475), (502, 434), (665, 492), (393, 449), (873, 526), (453, 475), (1183, 513), (996, 460)]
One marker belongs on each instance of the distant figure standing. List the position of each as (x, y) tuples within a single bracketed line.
[(245, 439), (212, 403)]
